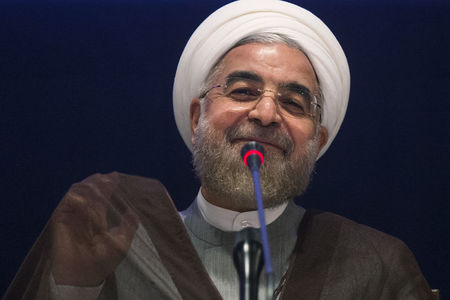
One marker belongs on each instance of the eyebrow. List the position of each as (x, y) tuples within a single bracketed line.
[(248, 75), (240, 75), (294, 86)]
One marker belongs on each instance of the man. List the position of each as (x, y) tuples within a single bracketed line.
[(265, 71)]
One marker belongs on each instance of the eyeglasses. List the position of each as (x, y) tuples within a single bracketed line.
[(294, 100)]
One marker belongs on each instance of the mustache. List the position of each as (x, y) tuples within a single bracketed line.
[(273, 135)]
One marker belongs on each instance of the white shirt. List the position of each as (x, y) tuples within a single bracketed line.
[(230, 220)]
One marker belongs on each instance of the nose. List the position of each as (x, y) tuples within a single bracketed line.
[(266, 111)]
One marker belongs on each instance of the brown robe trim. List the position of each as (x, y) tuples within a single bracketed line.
[(161, 220), (309, 264), (29, 283)]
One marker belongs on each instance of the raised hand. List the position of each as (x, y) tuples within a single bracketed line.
[(92, 230)]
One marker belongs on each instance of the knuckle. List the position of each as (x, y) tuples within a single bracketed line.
[(75, 198)]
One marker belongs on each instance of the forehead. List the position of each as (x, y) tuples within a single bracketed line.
[(275, 63)]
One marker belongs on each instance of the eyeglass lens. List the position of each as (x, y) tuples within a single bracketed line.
[(295, 101)]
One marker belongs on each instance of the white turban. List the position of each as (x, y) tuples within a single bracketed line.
[(234, 21)]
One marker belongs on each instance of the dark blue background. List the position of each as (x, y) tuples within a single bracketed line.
[(86, 87)]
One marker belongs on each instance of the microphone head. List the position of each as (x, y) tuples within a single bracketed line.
[(253, 155)]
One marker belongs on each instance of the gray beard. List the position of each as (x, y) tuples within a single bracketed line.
[(218, 164)]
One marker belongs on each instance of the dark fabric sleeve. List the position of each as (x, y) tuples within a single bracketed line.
[(121, 230), (336, 258), (404, 279), (29, 282), (89, 207)]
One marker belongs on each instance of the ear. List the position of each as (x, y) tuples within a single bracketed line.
[(323, 138), (194, 115)]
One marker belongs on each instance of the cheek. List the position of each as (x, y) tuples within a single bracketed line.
[(222, 116), (301, 133)]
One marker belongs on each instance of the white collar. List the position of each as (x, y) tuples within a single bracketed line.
[(230, 220)]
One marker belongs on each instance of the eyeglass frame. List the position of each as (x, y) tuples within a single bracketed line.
[(277, 94)]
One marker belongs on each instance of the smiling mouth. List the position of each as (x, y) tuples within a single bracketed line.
[(263, 142)]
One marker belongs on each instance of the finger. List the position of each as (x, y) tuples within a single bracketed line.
[(92, 205), (86, 205), (104, 178), (107, 187), (86, 209), (98, 190), (72, 212), (123, 234)]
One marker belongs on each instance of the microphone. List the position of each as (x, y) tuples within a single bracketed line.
[(253, 156)]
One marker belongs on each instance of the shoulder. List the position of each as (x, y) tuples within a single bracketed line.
[(378, 259), (351, 232)]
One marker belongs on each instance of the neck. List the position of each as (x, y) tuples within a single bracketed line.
[(223, 201)]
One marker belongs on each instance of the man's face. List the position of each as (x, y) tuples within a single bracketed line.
[(224, 126)]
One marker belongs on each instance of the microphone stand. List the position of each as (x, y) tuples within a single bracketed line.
[(248, 260)]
